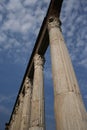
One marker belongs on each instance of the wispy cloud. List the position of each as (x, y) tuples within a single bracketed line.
[(74, 27), (20, 22), (19, 26), (6, 100)]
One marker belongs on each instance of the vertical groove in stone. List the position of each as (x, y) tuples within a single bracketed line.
[(69, 109)]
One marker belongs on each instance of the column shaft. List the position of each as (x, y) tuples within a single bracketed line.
[(69, 109), (16, 117), (37, 109), (20, 110), (26, 105)]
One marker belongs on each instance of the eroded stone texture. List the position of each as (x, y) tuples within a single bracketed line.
[(69, 109), (20, 109), (26, 105), (16, 118), (37, 109), (12, 123)]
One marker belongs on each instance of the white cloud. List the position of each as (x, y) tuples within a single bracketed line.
[(3, 100), (24, 18), (3, 38), (74, 26), (29, 2), (14, 5), (20, 26)]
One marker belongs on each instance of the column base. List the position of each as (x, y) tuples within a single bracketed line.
[(70, 112)]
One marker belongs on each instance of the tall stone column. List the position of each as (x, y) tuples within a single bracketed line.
[(19, 113), (26, 105), (15, 122), (16, 118), (37, 109), (69, 109)]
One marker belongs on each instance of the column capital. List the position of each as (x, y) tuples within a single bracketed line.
[(27, 84), (16, 109), (13, 118), (20, 98), (53, 22), (38, 61)]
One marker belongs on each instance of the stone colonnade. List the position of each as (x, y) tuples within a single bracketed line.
[(70, 112), (29, 111)]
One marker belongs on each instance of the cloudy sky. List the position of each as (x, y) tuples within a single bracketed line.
[(20, 21)]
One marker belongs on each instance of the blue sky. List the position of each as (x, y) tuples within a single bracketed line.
[(20, 21)]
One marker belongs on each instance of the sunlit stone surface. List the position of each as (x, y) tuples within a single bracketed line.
[(69, 109), (37, 109), (25, 121)]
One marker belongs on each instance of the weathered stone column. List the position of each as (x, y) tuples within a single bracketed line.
[(37, 109), (19, 113), (69, 109), (15, 122), (26, 105), (15, 118)]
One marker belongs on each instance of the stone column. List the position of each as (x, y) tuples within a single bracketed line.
[(26, 105), (16, 118), (69, 109), (37, 109), (19, 113), (15, 122)]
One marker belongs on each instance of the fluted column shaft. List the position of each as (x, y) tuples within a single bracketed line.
[(37, 109), (20, 110), (26, 105), (16, 118), (69, 109)]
